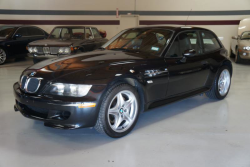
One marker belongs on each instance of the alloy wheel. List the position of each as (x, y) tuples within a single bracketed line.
[(224, 82), (122, 111), (2, 56)]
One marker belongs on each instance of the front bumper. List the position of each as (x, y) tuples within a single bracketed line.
[(245, 54), (56, 113)]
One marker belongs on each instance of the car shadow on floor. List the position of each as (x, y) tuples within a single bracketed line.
[(32, 138)]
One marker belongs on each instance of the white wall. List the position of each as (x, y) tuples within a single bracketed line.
[(225, 31)]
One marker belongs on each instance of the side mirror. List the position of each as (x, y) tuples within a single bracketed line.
[(91, 37), (189, 53), (234, 37), (17, 36)]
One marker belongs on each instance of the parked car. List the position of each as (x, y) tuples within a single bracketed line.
[(139, 69), (240, 45), (67, 40), (15, 38)]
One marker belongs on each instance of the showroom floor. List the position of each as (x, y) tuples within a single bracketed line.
[(196, 132)]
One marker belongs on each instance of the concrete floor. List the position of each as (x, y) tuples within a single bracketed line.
[(196, 132)]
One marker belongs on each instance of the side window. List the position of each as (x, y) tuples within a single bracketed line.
[(56, 33), (183, 42), (64, 31), (88, 33), (96, 33), (209, 41), (22, 31), (78, 33), (32, 31)]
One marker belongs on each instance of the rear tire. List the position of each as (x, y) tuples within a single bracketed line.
[(119, 111), (216, 91), (3, 56)]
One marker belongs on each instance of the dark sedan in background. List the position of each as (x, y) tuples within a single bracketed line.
[(139, 69), (67, 40), (15, 38)]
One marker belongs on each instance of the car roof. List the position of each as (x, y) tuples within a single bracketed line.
[(14, 25), (173, 28), (72, 26)]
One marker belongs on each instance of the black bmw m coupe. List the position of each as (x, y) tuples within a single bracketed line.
[(138, 69)]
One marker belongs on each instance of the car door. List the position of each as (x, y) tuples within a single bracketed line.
[(186, 74), (20, 41)]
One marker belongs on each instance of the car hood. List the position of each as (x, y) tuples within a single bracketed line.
[(244, 43), (51, 42), (88, 63)]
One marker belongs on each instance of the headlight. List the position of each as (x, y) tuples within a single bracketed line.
[(63, 89), (35, 50), (64, 50), (30, 49), (246, 47)]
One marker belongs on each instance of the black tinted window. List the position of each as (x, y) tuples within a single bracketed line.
[(185, 41), (96, 33), (32, 31), (209, 41), (22, 31)]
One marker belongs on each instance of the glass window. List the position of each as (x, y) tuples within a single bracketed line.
[(78, 33), (245, 35), (55, 34), (88, 33), (65, 33), (185, 41), (151, 41), (22, 31), (209, 41), (32, 31), (96, 33), (6, 31), (68, 33)]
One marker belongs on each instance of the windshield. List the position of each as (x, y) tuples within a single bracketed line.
[(67, 33), (245, 35), (148, 40), (6, 31)]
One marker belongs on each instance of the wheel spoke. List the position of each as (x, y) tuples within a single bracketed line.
[(120, 100), (127, 117), (118, 121)]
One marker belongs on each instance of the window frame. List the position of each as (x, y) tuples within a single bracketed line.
[(86, 33)]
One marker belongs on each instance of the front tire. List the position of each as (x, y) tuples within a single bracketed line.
[(3, 56), (221, 85), (119, 111)]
